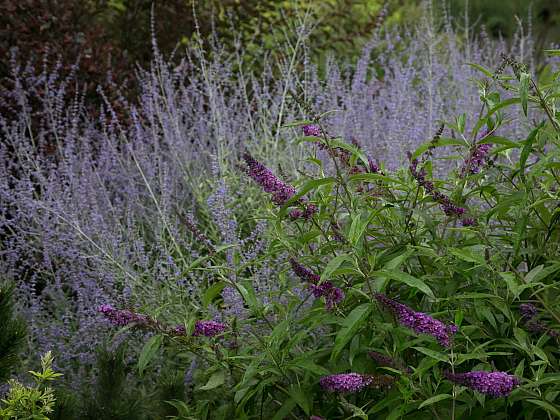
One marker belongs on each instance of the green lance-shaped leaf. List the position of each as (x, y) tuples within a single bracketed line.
[(148, 352), (524, 90), (351, 324)]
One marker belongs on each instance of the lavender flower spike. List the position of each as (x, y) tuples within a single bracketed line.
[(122, 317), (345, 382), (494, 384), (419, 322), (208, 328)]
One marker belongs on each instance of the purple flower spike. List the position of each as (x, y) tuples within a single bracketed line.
[(468, 221), (477, 158), (419, 322), (178, 330), (122, 317), (494, 384), (281, 192), (527, 311), (448, 207), (304, 273), (345, 382), (312, 130), (332, 294), (208, 328)]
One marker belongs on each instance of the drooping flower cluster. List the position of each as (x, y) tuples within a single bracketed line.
[(303, 272), (281, 192), (208, 328), (122, 317), (528, 313), (419, 322), (332, 294), (345, 382), (448, 207), (477, 158), (354, 382), (493, 384)]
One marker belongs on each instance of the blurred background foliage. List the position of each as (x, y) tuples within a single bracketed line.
[(116, 34)]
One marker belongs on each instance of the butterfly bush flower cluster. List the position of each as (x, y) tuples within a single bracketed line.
[(205, 328), (493, 384), (125, 317), (281, 192), (445, 202), (528, 313), (477, 158), (208, 328), (419, 322), (354, 382), (345, 382), (122, 317), (332, 294), (312, 130)]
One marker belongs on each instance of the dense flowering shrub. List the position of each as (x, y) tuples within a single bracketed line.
[(460, 252)]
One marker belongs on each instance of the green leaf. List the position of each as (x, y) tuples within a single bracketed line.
[(407, 279), (434, 400), (481, 69), (466, 254), (308, 186), (546, 406), (297, 123), (375, 178), (302, 397), (217, 379), (524, 90), (212, 292), (286, 409), (148, 352), (359, 225), (442, 142), (351, 324), (433, 354), (527, 148), (333, 265)]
